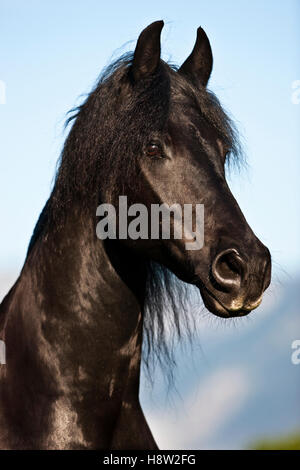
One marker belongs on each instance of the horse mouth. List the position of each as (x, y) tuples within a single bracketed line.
[(216, 307)]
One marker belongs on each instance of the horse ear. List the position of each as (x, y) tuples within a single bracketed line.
[(147, 52), (198, 65)]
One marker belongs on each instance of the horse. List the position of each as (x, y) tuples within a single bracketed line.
[(76, 320)]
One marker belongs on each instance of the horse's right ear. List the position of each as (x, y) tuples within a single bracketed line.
[(147, 52)]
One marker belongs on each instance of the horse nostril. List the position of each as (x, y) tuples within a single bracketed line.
[(228, 269)]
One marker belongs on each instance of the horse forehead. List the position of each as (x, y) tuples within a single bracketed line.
[(185, 107), (191, 128), (186, 114)]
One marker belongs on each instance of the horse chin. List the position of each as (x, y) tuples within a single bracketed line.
[(217, 308)]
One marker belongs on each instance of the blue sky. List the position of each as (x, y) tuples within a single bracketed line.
[(52, 52)]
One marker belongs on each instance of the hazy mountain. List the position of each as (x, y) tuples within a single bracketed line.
[(238, 385)]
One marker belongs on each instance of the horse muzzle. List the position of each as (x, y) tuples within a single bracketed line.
[(236, 286)]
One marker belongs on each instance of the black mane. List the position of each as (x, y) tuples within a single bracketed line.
[(93, 154), (98, 155)]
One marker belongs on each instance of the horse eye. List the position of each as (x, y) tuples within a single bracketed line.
[(153, 150)]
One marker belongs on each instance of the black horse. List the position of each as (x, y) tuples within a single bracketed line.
[(74, 321)]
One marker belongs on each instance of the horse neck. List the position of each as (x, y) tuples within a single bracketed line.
[(76, 323)]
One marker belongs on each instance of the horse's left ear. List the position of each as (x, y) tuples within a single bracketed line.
[(147, 52), (198, 65)]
